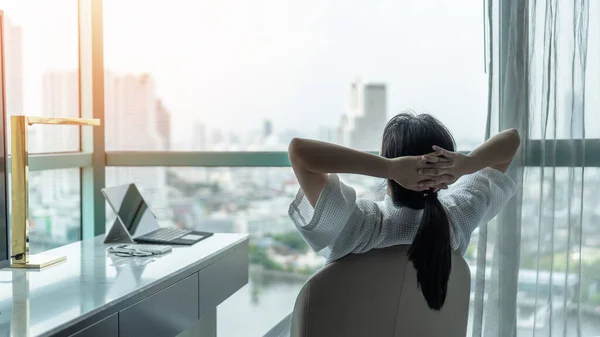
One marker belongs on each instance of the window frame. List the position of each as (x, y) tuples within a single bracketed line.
[(5, 245)]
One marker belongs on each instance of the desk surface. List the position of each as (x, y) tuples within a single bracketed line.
[(92, 280)]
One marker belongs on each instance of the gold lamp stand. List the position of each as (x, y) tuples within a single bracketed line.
[(20, 190)]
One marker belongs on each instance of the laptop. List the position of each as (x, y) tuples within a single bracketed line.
[(135, 222)]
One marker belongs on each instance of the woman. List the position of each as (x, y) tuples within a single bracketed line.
[(417, 159)]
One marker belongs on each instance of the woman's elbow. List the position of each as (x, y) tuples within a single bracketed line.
[(294, 143), (512, 141), (295, 150), (515, 137)]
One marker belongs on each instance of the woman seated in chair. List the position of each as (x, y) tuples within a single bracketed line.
[(418, 160)]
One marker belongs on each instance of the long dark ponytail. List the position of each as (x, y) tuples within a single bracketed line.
[(430, 252), (409, 135)]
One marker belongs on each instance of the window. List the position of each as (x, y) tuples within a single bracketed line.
[(243, 76), (256, 200), (240, 76), (571, 109), (41, 76), (545, 237), (41, 79), (235, 76), (246, 200), (546, 221), (54, 208)]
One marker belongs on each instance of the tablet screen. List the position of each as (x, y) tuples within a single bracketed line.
[(132, 209)]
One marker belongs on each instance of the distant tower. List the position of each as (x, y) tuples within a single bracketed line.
[(366, 117), (60, 98), (342, 130), (163, 123), (199, 137), (14, 73), (131, 124), (267, 129), (353, 112), (131, 113)]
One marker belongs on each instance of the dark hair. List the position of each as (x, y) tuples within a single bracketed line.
[(408, 134)]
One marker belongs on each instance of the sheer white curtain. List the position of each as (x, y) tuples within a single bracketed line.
[(538, 265)]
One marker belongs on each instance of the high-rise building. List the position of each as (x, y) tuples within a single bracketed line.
[(366, 116), (163, 123), (267, 129), (574, 123), (131, 124), (13, 71), (342, 131), (199, 137), (375, 104), (267, 140), (356, 106), (46, 187), (130, 111), (60, 98), (199, 143), (353, 112), (217, 140)]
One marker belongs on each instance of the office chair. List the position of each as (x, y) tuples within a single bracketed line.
[(376, 295)]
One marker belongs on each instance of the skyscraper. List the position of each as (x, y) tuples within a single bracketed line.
[(60, 98), (199, 137), (267, 129), (46, 187), (131, 113), (60, 95), (342, 134), (354, 111), (366, 116), (13, 67), (163, 123), (132, 124)]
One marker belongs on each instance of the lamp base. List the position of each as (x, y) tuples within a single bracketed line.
[(39, 262)]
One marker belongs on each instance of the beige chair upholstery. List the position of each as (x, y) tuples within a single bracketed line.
[(375, 294)]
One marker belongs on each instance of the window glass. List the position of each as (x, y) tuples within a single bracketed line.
[(41, 69), (54, 208), (249, 76)]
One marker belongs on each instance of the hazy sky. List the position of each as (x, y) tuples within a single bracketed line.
[(234, 63)]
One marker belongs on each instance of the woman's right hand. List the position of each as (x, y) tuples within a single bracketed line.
[(461, 164), (406, 172)]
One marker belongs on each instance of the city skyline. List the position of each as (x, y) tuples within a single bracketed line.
[(160, 115), (314, 81), (298, 58), (295, 88)]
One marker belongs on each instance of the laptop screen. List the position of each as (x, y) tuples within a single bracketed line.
[(130, 207)]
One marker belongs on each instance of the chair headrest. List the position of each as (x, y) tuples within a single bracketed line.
[(376, 294)]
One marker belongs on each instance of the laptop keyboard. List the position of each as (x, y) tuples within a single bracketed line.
[(167, 234)]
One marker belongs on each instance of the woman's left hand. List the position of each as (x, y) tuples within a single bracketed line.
[(460, 164), (405, 171)]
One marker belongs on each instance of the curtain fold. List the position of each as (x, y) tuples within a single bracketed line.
[(538, 262)]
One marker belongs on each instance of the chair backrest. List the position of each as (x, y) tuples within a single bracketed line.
[(376, 294)]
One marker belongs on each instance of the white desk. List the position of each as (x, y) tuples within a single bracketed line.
[(97, 294)]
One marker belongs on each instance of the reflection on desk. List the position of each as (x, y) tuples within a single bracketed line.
[(92, 285)]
